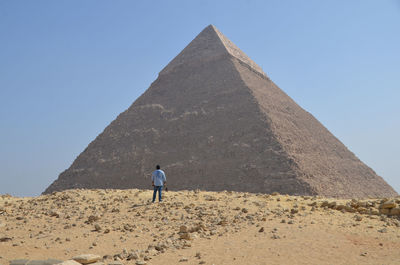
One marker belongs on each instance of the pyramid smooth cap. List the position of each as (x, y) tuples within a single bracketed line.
[(209, 44)]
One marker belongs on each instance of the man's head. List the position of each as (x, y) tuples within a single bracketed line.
[(158, 167)]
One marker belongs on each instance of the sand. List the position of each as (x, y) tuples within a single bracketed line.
[(222, 228)]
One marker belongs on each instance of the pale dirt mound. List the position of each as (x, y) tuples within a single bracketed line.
[(195, 227)]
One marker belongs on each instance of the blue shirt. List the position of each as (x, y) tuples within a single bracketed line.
[(158, 177)]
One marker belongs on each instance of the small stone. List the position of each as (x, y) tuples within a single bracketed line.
[(261, 230), (185, 236), (54, 214), (383, 230), (5, 239), (106, 231), (358, 218), (141, 262), (92, 219), (87, 258), (97, 227), (274, 236), (364, 254), (183, 229), (183, 259), (132, 256)]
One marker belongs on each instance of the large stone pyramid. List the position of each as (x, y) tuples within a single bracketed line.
[(214, 121)]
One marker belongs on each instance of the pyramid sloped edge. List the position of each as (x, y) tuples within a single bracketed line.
[(331, 169), (210, 44)]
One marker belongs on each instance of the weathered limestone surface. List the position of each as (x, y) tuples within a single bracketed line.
[(213, 120)]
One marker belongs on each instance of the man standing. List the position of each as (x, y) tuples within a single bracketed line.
[(158, 181)]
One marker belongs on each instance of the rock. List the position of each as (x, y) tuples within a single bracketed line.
[(19, 262), (374, 212), (358, 218), (97, 227), (349, 209), (183, 259), (324, 204), (384, 211), (106, 231), (340, 207), (44, 262), (362, 210), (388, 205), (141, 262), (87, 258), (185, 236), (332, 205), (69, 262), (222, 222), (92, 218), (261, 230), (395, 211), (132, 256), (54, 214), (383, 230), (183, 229), (5, 239)]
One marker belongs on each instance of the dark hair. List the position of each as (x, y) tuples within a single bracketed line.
[(158, 167)]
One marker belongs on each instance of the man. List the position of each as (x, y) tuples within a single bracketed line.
[(158, 180)]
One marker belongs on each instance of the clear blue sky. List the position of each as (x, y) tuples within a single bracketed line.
[(68, 68)]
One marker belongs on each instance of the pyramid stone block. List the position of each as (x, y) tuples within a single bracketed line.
[(214, 121)]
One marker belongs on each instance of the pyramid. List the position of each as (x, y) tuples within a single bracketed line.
[(214, 121)]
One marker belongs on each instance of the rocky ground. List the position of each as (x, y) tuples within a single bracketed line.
[(197, 227)]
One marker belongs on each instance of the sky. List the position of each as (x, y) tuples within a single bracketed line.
[(68, 68)]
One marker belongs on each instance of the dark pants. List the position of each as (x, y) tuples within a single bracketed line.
[(159, 189)]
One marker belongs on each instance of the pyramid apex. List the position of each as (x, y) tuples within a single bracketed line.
[(209, 44)]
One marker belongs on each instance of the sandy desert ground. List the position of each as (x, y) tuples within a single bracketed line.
[(197, 227)]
